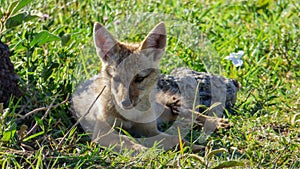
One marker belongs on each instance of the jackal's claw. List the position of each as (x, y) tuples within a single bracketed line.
[(222, 123), (174, 105)]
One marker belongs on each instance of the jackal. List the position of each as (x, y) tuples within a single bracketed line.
[(131, 101)]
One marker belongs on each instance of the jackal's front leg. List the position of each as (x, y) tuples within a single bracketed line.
[(106, 136), (179, 111), (163, 140)]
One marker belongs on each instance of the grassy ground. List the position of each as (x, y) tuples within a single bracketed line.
[(265, 132)]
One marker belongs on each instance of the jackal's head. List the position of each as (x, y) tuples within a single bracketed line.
[(132, 69)]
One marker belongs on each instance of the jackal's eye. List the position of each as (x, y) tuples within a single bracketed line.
[(139, 79)]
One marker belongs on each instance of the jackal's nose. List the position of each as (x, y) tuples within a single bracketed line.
[(126, 104)]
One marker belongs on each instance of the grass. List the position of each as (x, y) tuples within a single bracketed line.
[(265, 132)]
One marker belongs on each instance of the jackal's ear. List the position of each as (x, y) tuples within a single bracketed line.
[(156, 39), (105, 43)]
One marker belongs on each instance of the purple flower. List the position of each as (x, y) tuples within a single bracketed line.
[(45, 16)]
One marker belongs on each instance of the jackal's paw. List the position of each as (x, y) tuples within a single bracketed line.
[(135, 149), (211, 124), (174, 104), (222, 123), (139, 147)]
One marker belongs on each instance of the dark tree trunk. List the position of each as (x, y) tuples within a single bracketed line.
[(8, 79)]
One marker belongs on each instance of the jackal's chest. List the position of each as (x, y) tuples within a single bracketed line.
[(113, 117)]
